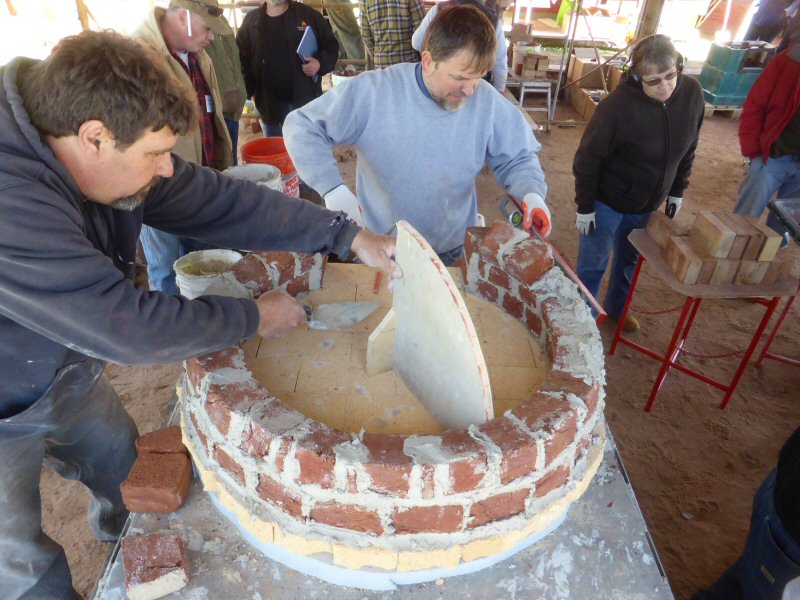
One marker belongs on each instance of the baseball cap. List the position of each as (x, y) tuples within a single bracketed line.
[(210, 11)]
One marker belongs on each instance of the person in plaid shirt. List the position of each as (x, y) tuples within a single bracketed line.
[(180, 34), (387, 27)]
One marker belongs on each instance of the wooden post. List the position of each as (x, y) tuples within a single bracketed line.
[(83, 14), (11, 10), (649, 18)]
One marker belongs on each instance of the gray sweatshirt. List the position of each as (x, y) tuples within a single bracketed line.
[(416, 161), (66, 263)]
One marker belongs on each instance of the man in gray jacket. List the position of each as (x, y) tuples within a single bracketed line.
[(85, 158)]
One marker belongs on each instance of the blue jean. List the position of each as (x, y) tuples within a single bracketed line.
[(770, 560), (780, 176), (451, 256), (162, 250), (611, 230), (278, 112), (233, 131)]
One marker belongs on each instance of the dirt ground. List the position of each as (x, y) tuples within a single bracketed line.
[(694, 468)]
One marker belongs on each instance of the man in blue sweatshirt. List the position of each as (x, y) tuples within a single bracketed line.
[(85, 141), (422, 133)]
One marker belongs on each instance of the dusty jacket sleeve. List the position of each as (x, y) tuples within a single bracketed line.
[(596, 145), (500, 71), (200, 203), (310, 132), (54, 282), (328, 46), (512, 150), (246, 57), (754, 111)]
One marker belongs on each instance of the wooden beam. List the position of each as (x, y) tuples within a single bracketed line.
[(83, 14), (649, 18), (11, 10)]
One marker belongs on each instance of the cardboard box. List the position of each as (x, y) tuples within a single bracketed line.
[(534, 66), (586, 70)]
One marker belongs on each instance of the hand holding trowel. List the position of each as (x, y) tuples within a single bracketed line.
[(338, 316)]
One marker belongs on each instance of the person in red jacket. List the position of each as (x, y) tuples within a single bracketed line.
[(769, 135)]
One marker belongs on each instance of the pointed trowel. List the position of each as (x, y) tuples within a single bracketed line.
[(339, 315)]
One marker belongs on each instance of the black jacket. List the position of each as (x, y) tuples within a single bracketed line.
[(252, 52), (66, 263), (787, 486), (637, 150)]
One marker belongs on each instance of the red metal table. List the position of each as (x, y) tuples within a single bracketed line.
[(650, 251)]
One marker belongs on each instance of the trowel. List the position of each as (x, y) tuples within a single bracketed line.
[(339, 315)]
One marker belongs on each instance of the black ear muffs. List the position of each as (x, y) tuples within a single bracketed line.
[(633, 77)]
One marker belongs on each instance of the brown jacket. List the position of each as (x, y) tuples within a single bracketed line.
[(189, 147)]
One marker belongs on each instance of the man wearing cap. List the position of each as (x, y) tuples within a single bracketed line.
[(180, 33)]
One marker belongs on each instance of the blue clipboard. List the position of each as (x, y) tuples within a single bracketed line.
[(308, 47)]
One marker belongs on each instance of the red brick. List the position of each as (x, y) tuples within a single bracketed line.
[(498, 234), (388, 467), (195, 372), (500, 278), (229, 464), (200, 434), (517, 447), (550, 308), (513, 306), (533, 321), (498, 507), (316, 457), (551, 481), (466, 473), (279, 261), (433, 519), (428, 482), (220, 415), (552, 415), (222, 359), (560, 381), (472, 239), (528, 297), (271, 419), (487, 291), (298, 285), (162, 441), (528, 260), (352, 482), (273, 492), (347, 516), (251, 270)]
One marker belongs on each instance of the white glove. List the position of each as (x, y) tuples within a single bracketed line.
[(535, 213), (673, 206), (585, 223), (341, 198)]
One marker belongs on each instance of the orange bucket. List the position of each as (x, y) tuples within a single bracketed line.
[(272, 151)]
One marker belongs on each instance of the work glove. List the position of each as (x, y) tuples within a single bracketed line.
[(535, 213), (585, 223), (672, 206), (341, 198)]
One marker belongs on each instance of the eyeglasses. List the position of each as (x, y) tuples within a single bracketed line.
[(656, 80), (214, 11)]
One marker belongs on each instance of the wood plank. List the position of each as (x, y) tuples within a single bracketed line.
[(772, 241), (683, 261), (725, 271), (437, 351), (712, 235), (741, 232), (380, 345), (660, 227)]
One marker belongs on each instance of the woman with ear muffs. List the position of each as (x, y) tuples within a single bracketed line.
[(636, 152)]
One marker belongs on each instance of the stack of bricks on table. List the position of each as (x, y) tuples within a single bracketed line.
[(410, 502), (719, 248)]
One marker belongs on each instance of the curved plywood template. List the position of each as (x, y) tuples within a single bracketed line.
[(436, 349)]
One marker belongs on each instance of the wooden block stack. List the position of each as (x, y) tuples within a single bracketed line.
[(534, 66), (720, 248)]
